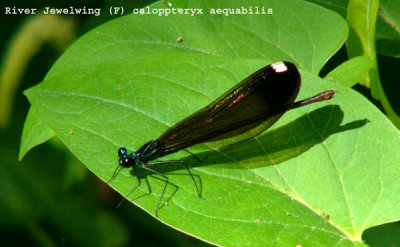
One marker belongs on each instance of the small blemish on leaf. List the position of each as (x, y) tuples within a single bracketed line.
[(179, 40), (325, 216), (71, 132)]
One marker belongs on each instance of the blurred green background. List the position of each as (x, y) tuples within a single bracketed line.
[(49, 198)]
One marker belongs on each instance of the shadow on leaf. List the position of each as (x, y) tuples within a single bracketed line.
[(281, 144)]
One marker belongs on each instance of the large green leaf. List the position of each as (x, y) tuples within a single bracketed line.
[(319, 177)]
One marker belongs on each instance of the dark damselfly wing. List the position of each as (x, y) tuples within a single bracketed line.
[(253, 105)]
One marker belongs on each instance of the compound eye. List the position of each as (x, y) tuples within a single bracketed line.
[(121, 152), (126, 162)]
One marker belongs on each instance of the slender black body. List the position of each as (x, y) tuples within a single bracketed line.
[(247, 109)]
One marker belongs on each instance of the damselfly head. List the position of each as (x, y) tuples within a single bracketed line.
[(125, 160)]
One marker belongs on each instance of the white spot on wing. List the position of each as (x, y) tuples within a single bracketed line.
[(279, 67)]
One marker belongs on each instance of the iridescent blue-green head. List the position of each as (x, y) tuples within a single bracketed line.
[(125, 160)]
